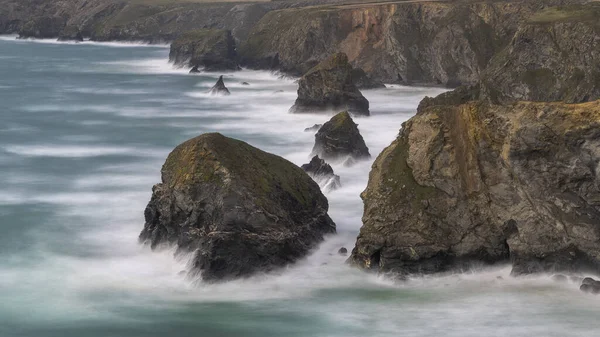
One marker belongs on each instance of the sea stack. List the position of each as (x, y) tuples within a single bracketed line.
[(242, 210), (329, 87), (219, 88), (322, 173), (340, 140)]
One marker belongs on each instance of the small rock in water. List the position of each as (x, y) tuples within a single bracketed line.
[(499, 278), (194, 70), (322, 173), (219, 88), (589, 285), (278, 92), (313, 128), (343, 251), (245, 83), (560, 278)]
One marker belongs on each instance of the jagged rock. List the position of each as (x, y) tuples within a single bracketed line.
[(328, 86), (210, 49), (313, 128), (70, 33), (343, 251), (241, 209), (339, 139), (194, 70), (364, 81), (322, 173), (42, 27), (555, 56), (486, 183), (219, 88)]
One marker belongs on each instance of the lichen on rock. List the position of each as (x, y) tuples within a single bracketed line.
[(329, 87), (485, 183), (241, 210)]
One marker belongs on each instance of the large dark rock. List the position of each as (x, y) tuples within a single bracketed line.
[(329, 87), (241, 209), (210, 49), (219, 88), (322, 173), (339, 139), (486, 183), (555, 56)]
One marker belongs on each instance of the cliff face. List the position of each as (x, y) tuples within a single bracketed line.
[(554, 56), (430, 42), (479, 182)]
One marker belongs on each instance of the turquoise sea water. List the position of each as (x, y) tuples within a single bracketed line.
[(84, 130)]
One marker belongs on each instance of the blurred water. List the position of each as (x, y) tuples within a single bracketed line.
[(84, 130)]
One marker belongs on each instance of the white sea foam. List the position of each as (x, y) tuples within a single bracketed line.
[(74, 151), (115, 44)]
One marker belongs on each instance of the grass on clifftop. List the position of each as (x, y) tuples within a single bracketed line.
[(573, 13)]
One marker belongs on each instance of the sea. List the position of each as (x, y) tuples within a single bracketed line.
[(84, 131)]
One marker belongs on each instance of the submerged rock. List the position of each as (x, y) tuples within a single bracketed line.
[(339, 139), (322, 173), (245, 83), (486, 183), (329, 86), (219, 88), (313, 128), (240, 209), (210, 49)]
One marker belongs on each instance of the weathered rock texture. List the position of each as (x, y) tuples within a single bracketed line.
[(219, 88), (329, 87), (339, 139), (555, 56), (241, 209), (210, 49), (439, 43), (479, 182), (322, 173)]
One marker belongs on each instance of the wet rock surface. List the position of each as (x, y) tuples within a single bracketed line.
[(208, 49), (241, 209), (322, 173), (329, 87), (219, 88), (486, 183), (340, 140)]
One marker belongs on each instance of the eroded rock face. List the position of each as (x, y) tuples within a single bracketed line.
[(210, 49), (219, 88), (329, 86), (486, 183), (555, 56), (340, 140), (241, 209), (322, 173), (70, 33), (42, 27)]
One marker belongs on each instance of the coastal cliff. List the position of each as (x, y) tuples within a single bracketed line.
[(486, 183)]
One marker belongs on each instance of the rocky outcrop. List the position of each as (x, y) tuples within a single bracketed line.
[(219, 88), (363, 81), (486, 183), (70, 33), (340, 140), (313, 128), (555, 56), (435, 43), (240, 209), (210, 49), (322, 173), (42, 27), (329, 87)]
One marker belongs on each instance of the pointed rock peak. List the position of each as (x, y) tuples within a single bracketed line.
[(322, 173), (329, 87), (219, 88), (339, 139)]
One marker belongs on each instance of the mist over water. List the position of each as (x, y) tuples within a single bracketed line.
[(84, 130)]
